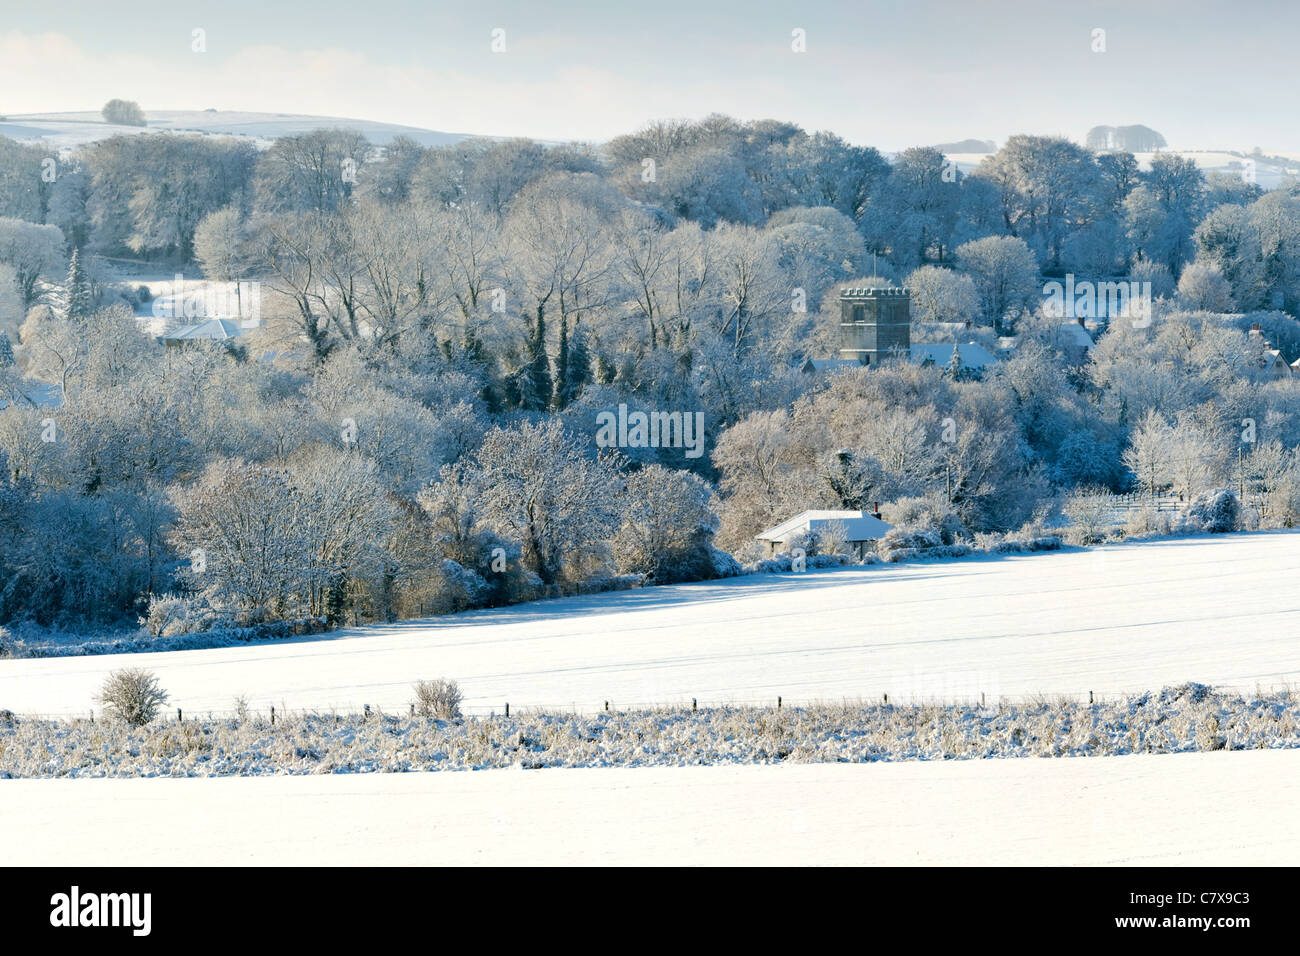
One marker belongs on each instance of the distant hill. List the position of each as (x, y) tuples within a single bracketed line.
[(968, 146), (1130, 139), (65, 130)]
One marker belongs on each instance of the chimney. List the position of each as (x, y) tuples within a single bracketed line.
[(875, 509)]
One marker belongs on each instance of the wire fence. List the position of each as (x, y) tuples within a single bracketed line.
[(508, 709)]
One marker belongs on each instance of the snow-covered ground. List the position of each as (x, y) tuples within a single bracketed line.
[(65, 130), (1189, 809), (1218, 610)]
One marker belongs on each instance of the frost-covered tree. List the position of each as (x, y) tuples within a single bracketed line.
[(1228, 239), (310, 172), (123, 113), (1150, 453), (34, 253), (667, 526), (548, 493), (942, 295), (1047, 186), (1005, 274), (219, 245), (1204, 287)]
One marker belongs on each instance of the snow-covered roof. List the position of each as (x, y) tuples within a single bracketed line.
[(973, 355), (40, 394), (208, 330), (860, 525), (829, 365), (1075, 334)]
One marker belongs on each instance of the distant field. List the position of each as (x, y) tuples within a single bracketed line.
[(74, 129), (1220, 610)]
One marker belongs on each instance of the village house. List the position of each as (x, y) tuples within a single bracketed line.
[(1275, 366)]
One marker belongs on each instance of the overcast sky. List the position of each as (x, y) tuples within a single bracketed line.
[(888, 73)]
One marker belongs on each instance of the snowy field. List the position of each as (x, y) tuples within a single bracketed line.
[(65, 130), (1216, 610), (1185, 809)]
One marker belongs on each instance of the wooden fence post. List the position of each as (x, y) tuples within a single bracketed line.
[(507, 708), (273, 715), (180, 717), (778, 701), (694, 704)]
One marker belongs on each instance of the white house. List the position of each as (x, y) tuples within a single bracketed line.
[(209, 330), (861, 528)]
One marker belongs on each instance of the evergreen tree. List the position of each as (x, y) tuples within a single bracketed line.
[(536, 386), (954, 363), (604, 370), (78, 288), (473, 349), (560, 395), (579, 370), (6, 351)]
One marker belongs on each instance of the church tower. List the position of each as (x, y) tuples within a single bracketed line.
[(875, 324)]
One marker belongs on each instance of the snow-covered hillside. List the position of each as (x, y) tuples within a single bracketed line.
[(74, 129), (1186, 809), (1217, 610)]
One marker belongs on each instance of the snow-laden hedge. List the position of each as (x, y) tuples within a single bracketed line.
[(143, 641), (1176, 720)]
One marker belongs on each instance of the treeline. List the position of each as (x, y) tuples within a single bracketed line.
[(414, 429)]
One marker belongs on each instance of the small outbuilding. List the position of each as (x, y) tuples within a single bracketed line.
[(862, 529)]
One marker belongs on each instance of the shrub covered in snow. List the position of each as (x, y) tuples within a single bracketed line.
[(724, 565), (784, 562), (1089, 515), (901, 545), (931, 515), (1213, 511), (439, 699), (463, 587), (172, 615), (1146, 521), (132, 696)]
